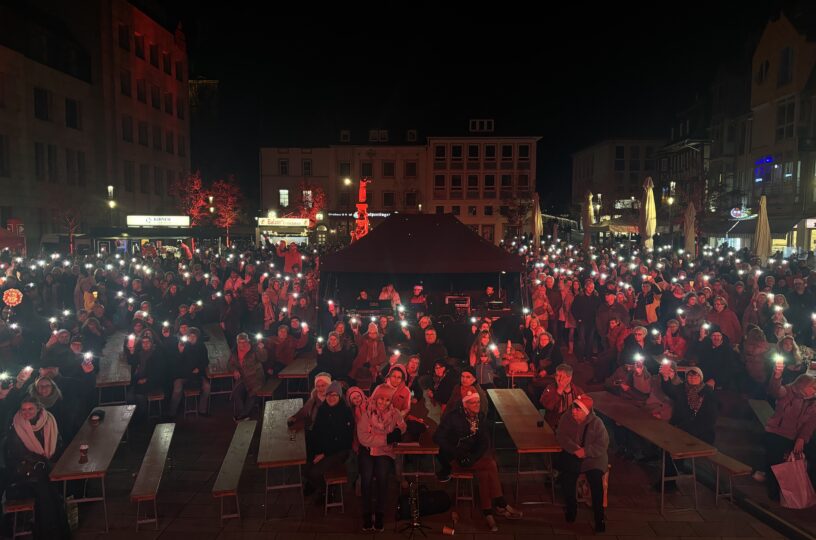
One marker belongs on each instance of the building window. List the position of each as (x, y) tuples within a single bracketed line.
[(344, 169), (70, 167), (169, 142), (138, 40), (456, 152), (411, 199), (5, 167), (490, 185), (455, 210), (490, 152), (473, 186), (167, 63), (127, 128), (82, 172), (488, 210), (456, 186), (154, 55), (506, 182), (39, 161), (649, 161), (170, 181), (507, 152), (157, 138), (143, 133), (345, 136), (141, 90), (785, 118), (410, 169), (307, 167), (473, 151), (180, 71), (158, 180), (524, 152), (179, 107), (439, 182), (383, 135), (124, 37), (42, 104), (367, 169), (73, 114), (53, 171), (182, 146), (129, 175), (155, 96), (472, 211), (439, 151), (488, 232), (168, 104), (389, 199), (785, 74), (523, 182), (411, 135), (634, 158), (144, 179), (283, 197), (373, 135), (440, 209), (389, 169), (125, 83), (620, 158), (283, 167), (308, 200)]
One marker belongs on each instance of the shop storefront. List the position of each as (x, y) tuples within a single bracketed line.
[(274, 229), (738, 232), (159, 233)]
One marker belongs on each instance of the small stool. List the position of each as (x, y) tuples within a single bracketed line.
[(583, 492), (191, 396), (154, 397), (464, 495), (15, 507), (336, 478)]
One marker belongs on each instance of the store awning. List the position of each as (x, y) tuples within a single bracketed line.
[(780, 226)]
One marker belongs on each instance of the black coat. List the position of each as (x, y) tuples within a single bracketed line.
[(193, 356), (701, 424), (337, 364), (429, 354), (333, 429), (547, 358), (455, 439), (443, 388)]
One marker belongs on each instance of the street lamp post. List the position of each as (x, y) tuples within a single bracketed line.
[(347, 183), (670, 202)]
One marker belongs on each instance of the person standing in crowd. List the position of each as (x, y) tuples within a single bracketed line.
[(379, 426), (247, 371), (333, 434), (463, 436), (467, 385), (558, 396), (791, 427), (585, 441), (190, 371)]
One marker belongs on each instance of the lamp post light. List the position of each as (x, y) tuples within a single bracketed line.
[(111, 205), (347, 183), (670, 202)]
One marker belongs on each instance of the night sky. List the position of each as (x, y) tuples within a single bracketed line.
[(574, 78)]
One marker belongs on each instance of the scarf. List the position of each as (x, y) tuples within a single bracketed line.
[(25, 430), (48, 401), (694, 397), (473, 421)]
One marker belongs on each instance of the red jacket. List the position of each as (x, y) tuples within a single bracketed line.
[(555, 404)]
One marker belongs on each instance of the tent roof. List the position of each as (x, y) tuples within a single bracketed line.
[(422, 244)]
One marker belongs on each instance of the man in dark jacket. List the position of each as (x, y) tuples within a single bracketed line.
[(430, 351), (333, 433), (463, 435), (189, 371), (607, 311), (584, 308), (669, 303)]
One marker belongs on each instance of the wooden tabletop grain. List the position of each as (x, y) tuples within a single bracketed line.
[(276, 448), (522, 419)]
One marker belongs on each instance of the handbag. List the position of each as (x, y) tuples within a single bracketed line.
[(31, 469), (795, 489)]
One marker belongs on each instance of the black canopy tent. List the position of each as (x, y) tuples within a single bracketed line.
[(447, 256)]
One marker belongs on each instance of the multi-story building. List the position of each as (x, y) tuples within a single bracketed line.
[(614, 170), (91, 96), (480, 178), (783, 129)]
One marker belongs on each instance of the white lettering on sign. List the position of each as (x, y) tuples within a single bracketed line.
[(158, 221), (283, 222)]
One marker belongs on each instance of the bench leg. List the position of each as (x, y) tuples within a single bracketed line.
[(662, 481), (694, 479), (105, 503), (717, 487)]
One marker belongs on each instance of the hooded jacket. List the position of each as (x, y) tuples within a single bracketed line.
[(794, 416), (569, 434)]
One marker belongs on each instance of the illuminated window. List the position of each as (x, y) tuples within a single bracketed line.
[(283, 197)]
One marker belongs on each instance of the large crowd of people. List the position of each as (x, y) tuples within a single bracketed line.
[(741, 329)]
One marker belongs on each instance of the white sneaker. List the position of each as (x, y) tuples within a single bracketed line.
[(759, 476)]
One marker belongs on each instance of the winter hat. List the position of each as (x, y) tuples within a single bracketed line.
[(323, 376), (471, 396), (401, 369), (583, 402), (335, 388), (351, 391), (696, 370), (381, 391), (373, 326)]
